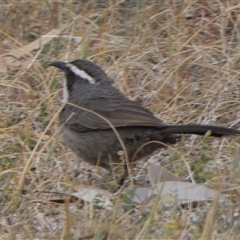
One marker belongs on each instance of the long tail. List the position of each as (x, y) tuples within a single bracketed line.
[(200, 130)]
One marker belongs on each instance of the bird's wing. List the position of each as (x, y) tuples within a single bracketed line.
[(117, 109)]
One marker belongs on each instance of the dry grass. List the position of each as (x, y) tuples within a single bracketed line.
[(181, 59)]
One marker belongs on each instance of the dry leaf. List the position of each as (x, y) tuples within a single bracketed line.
[(90, 194), (184, 192), (157, 174)]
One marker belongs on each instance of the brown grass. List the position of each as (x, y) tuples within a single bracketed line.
[(180, 59)]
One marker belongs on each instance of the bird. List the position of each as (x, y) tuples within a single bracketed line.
[(95, 114)]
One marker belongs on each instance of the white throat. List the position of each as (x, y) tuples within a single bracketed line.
[(65, 95)]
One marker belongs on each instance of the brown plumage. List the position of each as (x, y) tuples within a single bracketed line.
[(92, 138)]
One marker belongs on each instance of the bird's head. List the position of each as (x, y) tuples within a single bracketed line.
[(82, 72)]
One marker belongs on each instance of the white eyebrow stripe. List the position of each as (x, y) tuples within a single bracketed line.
[(82, 74)]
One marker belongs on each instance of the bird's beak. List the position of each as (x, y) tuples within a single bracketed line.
[(60, 65)]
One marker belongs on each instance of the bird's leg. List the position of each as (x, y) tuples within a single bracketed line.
[(116, 175)]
